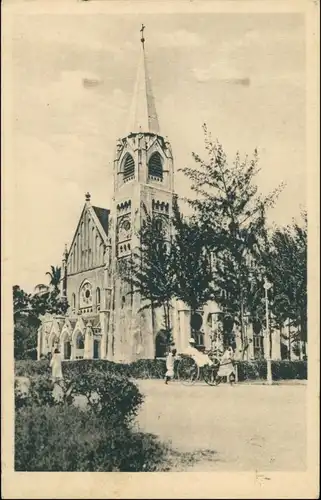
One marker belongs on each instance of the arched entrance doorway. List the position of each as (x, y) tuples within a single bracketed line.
[(161, 344), (196, 329), (228, 335), (258, 340), (96, 349), (67, 349)]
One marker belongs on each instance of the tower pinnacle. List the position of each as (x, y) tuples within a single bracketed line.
[(143, 116)]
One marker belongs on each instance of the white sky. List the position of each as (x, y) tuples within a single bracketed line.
[(244, 75)]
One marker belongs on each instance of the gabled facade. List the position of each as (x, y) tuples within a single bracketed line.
[(84, 264)]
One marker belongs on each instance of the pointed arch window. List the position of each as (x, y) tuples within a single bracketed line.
[(67, 349), (155, 166), (159, 225), (98, 296), (80, 341), (73, 301), (74, 259), (129, 167)]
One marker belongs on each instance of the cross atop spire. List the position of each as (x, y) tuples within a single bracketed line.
[(143, 116)]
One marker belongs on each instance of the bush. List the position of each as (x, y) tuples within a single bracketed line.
[(52, 435), (281, 370), (21, 398), (65, 438), (109, 395), (28, 368), (40, 393)]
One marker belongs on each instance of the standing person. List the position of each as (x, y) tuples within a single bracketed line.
[(170, 360), (226, 368), (56, 365)]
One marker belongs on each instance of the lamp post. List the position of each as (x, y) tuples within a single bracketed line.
[(267, 287)]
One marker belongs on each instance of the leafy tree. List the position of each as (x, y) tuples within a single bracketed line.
[(26, 324), (21, 302), (193, 279), (49, 302), (25, 337), (285, 259), (168, 266), (27, 310), (231, 215)]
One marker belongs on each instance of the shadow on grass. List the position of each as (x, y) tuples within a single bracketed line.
[(162, 457), (181, 461)]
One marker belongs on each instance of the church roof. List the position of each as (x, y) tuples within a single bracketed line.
[(143, 116), (100, 217), (103, 216)]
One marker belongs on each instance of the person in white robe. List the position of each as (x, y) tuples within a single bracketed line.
[(226, 368), (199, 358), (170, 361), (56, 366)]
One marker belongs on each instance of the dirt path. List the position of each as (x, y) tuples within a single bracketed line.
[(246, 427)]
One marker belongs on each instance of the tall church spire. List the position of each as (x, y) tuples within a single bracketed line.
[(143, 116)]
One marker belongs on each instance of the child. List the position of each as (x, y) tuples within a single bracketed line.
[(170, 365)]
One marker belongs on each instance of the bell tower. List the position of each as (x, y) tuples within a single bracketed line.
[(143, 177)]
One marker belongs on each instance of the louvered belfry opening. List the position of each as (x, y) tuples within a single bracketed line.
[(155, 166), (129, 168)]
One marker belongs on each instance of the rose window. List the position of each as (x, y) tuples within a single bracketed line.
[(86, 297)]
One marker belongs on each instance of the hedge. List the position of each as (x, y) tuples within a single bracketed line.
[(281, 370), (143, 368), (155, 368)]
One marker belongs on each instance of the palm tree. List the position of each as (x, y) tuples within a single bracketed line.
[(55, 277)]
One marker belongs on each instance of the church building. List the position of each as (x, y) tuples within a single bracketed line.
[(103, 320)]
